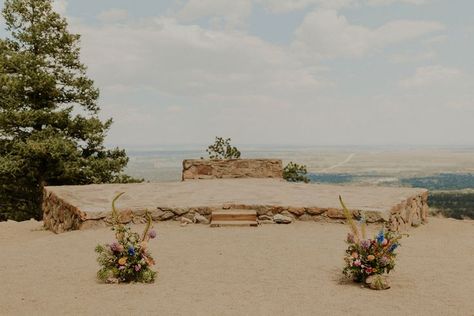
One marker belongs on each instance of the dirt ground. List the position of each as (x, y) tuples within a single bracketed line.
[(269, 270)]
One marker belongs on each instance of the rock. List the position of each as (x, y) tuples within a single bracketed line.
[(288, 214), (296, 210), (125, 217), (265, 218), (156, 214), (372, 216), (416, 222), (183, 224), (198, 218), (185, 220), (282, 219), (378, 282), (335, 213), (180, 211), (305, 217), (167, 215), (266, 221), (315, 210)]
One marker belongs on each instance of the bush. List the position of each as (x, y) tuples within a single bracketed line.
[(222, 149), (295, 173)]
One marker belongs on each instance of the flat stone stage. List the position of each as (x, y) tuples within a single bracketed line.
[(79, 207)]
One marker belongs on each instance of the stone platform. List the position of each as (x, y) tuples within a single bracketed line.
[(81, 207)]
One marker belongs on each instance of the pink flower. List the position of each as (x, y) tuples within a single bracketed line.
[(152, 234), (115, 246), (138, 267), (357, 263)]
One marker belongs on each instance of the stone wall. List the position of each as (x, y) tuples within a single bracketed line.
[(60, 216), (410, 212), (231, 168)]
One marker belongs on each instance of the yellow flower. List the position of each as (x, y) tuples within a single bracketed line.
[(370, 257), (122, 261)]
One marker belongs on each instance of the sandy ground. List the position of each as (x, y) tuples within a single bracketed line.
[(269, 270)]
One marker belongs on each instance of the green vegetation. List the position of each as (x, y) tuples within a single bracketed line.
[(222, 149), (331, 177), (295, 173), (50, 130), (455, 204), (443, 181)]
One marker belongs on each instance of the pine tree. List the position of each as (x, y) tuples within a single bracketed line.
[(50, 131)]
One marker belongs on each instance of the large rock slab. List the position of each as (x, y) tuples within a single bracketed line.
[(231, 168), (80, 207)]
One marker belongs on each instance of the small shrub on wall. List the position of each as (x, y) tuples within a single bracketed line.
[(222, 149), (294, 172)]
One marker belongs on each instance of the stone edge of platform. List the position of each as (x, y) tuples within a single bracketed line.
[(60, 216)]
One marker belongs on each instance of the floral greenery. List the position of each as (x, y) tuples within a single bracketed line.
[(365, 257), (294, 172), (127, 259), (222, 149)]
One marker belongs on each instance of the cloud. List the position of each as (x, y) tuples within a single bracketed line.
[(412, 57), (228, 13), (326, 34), (113, 15), (387, 2), (187, 60), (282, 6), (430, 75)]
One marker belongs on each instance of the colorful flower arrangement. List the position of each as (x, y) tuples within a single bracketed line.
[(367, 257), (127, 259)]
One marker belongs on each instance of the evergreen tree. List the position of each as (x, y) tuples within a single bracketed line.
[(50, 131)]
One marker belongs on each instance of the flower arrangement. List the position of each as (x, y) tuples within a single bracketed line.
[(127, 259), (365, 257)]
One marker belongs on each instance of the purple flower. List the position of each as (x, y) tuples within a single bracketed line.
[(350, 238), (121, 267), (365, 244), (152, 234), (138, 267), (384, 261)]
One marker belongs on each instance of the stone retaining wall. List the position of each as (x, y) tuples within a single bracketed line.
[(60, 216), (231, 168)]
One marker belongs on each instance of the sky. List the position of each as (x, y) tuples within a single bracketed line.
[(276, 72)]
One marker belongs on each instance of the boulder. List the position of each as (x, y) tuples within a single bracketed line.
[(378, 282), (282, 219), (198, 218)]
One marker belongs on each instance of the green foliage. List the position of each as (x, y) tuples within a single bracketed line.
[(455, 204), (295, 173), (442, 181), (127, 259), (222, 149), (50, 130)]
